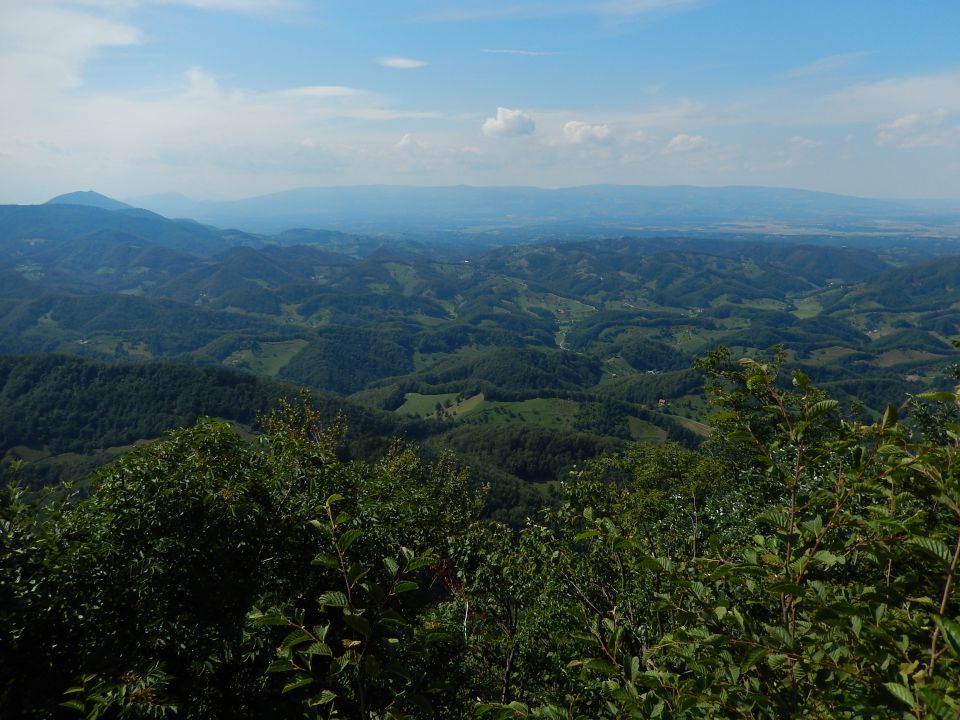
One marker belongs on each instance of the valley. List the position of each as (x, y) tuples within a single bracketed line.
[(587, 342)]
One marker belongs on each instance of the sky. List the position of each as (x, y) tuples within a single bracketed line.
[(223, 99)]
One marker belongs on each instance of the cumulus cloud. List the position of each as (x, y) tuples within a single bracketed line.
[(578, 132), (402, 63), (684, 143), (508, 123)]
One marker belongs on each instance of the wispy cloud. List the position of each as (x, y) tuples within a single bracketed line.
[(248, 7), (641, 7), (511, 51), (503, 9), (401, 63), (825, 65), (892, 98), (321, 91)]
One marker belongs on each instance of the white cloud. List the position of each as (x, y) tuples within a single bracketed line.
[(684, 143), (578, 132), (828, 64), (401, 63), (508, 123)]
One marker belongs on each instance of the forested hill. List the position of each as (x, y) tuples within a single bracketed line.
[(64, 414)]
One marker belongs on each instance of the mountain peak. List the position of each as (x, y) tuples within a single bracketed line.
[(90, 199)]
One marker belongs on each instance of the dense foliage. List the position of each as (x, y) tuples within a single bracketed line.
[(800, 564)]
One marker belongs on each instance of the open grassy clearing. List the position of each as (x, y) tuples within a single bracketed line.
[(807, 307), (422, 405), (406, 276), (616, 367), (901, 357), (266, 358), (546, 412), (693, 425), (827, 356), (646, 432), (465, 406)]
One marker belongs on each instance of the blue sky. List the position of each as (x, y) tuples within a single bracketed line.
[(230, 98)]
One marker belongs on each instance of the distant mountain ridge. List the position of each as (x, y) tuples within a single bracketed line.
[(379, 207)]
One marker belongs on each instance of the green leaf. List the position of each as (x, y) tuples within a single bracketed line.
[(788, 588), (333, 598), (349, 538), (951, 632), (262, 619), (335, 498), (901, 692), (937, 396), (935, 702), (297, 682), (813, 526), (391, 565), (324, 698), (356, 573), (297, 637), (775, 517), (586, 534), (404, 586), (420, 562), (933, 546), (665, 563), (889, 416), (358, 624), (326, 560), (819, 408), (827, 558), (318, 648)]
